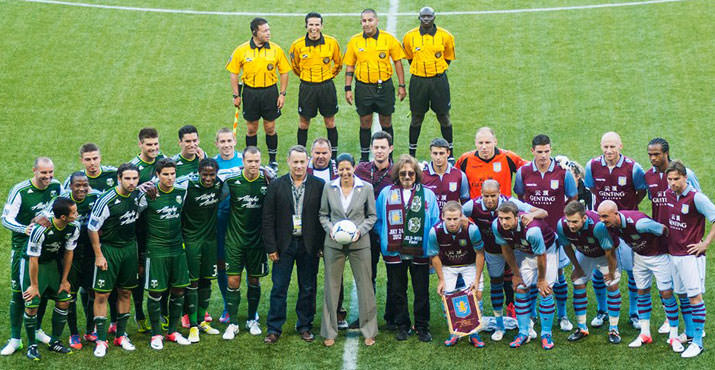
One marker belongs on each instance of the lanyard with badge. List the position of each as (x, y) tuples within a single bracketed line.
[(298, 193)]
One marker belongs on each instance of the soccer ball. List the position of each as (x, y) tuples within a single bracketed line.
[(344, 231)]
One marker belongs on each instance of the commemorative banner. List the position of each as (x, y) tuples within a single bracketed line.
[(463, 315)]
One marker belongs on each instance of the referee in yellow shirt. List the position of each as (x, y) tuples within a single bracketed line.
[(316, 59), (260, 59), (367, 58), (429, 50)]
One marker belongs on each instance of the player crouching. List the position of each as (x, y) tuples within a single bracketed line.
[(456, 250)]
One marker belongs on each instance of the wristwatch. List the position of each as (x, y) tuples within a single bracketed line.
[(284, 93)]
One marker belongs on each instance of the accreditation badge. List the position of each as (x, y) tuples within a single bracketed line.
[(297, 225), (463, 315), (621, 180), (496, 166)]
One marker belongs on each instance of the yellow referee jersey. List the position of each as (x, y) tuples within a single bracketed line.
[(259, 65), (371, 56), (429, 51), (311, 59)]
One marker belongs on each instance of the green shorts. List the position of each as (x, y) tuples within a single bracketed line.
[(48, 282), (201, 259), (374, 98), (15, 258), (167, 272), (253, 259), (430, 92), (121, 272)]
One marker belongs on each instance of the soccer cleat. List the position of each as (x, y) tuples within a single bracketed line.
[(33, 353), (205, 327), (614, 337), (547, 342), (12, 345), (194, 334), (41, 336), (565, 324), (143, 326), (640, 341), (675, 344), (599, 320), (207, 317), (519, 340), (498, 335), (157, 342), (665, 328), (164, 322), (178, 338), (692, 351), (635, 323), (100, 348), (683, 338), (124, 342), (185, 322), (90, 337), (112, 328), (224, 319), (578, 334), (253, 327), (511, 310), (75, 342), (58, 347), (452, 340), (230, 332), (476, 341), (343, 325)]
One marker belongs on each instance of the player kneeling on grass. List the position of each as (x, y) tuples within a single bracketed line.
[(40, 272), (166, 265), (581, 230), (531, 252), (456, 250)]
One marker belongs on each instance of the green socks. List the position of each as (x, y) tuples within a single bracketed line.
[(122, 319), (59, 319), (30, 327), (153, 305), (101, 323), (176, 308), (253, 296), (233, 298), (190, 304)]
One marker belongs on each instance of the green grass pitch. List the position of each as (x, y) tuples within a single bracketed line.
[(69, 75)]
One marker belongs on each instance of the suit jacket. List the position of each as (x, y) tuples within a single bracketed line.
[(278, 213), (361, 211)]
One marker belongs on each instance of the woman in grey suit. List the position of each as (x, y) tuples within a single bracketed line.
[(348, 198)]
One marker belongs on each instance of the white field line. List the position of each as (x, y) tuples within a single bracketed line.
[(350, 351), (396, 14)]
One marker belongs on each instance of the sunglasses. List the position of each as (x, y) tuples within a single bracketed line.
[(407, 173)]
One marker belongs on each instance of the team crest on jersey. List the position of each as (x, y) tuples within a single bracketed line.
[(413, 224), (496, 166), (438, 54), (249, 59), (417, 48), (554, 184), (326, 60), (684, 209), (452, 186), (269, 67), (178, 199), (110, 182), (622, 180), (53, 193), (590, 240), (461, 306), (154, 283), (415, 205), (524, 243), (635, 237), (100, 283), (382, 55), (304, 56), (462, 243), (264, 190), (395, 217)]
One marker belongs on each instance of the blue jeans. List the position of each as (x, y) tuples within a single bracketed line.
[(307, 266)]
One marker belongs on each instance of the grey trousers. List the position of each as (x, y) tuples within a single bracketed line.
[(361, 265)]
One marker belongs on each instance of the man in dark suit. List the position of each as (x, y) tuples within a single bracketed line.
[(292, 234)]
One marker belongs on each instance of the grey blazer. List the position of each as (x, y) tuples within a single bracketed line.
[(361, 211)]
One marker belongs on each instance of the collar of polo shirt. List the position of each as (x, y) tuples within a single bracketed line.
[(375, 36), (432, 31), (267, 45), (319, 41)]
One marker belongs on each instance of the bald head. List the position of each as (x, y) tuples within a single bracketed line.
[(608, 213), (426, 11), (611, 136), (426, 17), (490, 185), (611, 147), (607, 206), (44, 172), (486, 142), (43, 161)]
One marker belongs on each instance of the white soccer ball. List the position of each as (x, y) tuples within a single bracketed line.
[(344, 231)]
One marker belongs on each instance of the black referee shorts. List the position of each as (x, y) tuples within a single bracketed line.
[(375, 98), (430, 91), (260, 102), (317, 96)]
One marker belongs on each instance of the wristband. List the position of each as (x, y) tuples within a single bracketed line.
[(402, 85), (348, 88), (283, 93)]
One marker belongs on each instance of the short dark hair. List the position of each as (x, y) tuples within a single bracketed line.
[(678, 167), (381, 135), (439, 142), (257, 22), (88, 147), (573, 207), (61, 206), (345, 157), (664, 146), (76, 175), (187, 129), (250, 150), (540, 139), (508, 207), (164, 163), (297, 149), (148, 133), (403, 160), (126, 167), (368, 10), (208, 162), (313, 15)]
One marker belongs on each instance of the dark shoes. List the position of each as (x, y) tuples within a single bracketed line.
[(270, 338), (58, 347), (307, 336), (401, 334), (614, 336), (578, 334), (424, 335)]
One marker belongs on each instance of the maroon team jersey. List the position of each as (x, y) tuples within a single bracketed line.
[(614, 184), (686, 224), (546, 192), (516, 238), (645, 244), (457, 250), (584, 240), (447, 187), (367, 171), (483, 218), (657, 183)]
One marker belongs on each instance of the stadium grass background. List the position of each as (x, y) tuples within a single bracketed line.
[(70, 75)]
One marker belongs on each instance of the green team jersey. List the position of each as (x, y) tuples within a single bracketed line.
[(24, 202), (198, 217), (163, 222), (84, 208), (106, 179), (246, 217), (146, 170), (114, 216), (186, 169), (47, 243)]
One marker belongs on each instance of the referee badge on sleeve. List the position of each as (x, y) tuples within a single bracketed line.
[(326, 60), (438, 54), (269, 67), (382, 55)]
